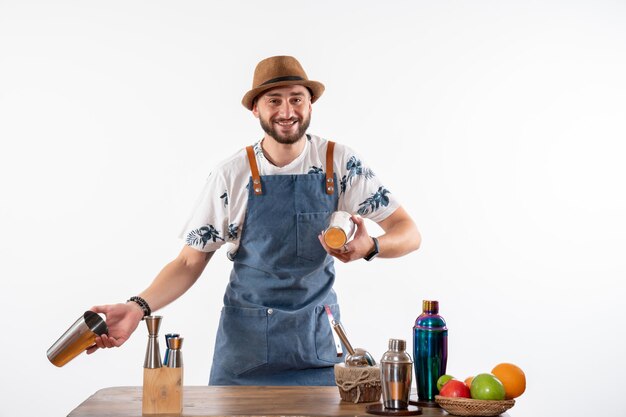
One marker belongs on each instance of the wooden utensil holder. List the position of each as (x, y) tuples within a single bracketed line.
[(162, 391)]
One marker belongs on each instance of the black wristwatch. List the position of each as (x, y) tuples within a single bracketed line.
[(373, 253)]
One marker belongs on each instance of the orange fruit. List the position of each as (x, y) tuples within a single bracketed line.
[(512, 377), (468, 381)]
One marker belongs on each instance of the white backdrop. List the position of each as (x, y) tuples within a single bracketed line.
[(499, 125)]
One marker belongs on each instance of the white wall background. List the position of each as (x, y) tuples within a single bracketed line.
[(499, 124)]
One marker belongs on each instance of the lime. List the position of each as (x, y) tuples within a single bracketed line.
[(442, 381)]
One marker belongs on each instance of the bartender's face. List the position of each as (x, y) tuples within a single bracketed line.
[(284, 112)]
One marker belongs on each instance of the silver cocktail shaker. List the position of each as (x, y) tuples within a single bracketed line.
[(396, 372), (340, 229)]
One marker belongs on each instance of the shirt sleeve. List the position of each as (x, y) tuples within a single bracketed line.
[(208, 226), (361, 191)]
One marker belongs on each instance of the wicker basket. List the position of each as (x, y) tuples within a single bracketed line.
[(469, 407)]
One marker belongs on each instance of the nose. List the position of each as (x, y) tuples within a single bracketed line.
[(286, 110)]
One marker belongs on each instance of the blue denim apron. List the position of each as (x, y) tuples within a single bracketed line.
[(273, 328)]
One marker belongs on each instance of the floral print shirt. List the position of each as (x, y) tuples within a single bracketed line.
[(219, 212)]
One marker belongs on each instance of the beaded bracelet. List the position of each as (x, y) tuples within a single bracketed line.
[(141, 303)]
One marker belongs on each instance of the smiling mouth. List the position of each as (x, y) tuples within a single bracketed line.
[(286, 123)]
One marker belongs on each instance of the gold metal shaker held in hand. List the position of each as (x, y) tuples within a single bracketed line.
[(81, 335), (340, 230)]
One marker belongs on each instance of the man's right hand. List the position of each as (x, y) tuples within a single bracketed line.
[(121, 319)]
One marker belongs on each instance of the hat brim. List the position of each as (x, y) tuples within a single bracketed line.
[(317, 89)]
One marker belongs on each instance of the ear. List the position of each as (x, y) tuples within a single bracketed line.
[(255, 109)]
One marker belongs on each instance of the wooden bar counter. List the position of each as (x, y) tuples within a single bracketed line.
[(233, 401)]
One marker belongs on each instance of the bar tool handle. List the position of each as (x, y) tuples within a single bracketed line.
[(344, 338)]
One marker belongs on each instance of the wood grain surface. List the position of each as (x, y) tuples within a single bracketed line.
[(233, 401), (162, 390)]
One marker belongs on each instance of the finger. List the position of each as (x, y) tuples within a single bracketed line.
[(108, 341), (99, 342), (116, 341), (104, 309), (343, 258), (119, 341), (92, 349), (360, 226)]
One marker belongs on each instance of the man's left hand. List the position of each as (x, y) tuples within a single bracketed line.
[(357, 248)]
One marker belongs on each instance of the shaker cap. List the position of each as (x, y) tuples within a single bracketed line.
[(430, 306), (396, 352), (397, 345)]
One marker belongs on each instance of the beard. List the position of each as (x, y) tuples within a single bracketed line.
[(288, 139)]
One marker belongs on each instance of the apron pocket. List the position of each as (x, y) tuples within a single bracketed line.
[(242, 339), (324, 340), (309, 226)]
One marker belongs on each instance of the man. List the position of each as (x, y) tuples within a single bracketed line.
[(269, 202)]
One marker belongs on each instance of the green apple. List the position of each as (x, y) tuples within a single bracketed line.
[(487, 387), (442, 381)]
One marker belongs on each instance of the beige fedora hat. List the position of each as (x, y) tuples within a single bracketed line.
[(279, 71)]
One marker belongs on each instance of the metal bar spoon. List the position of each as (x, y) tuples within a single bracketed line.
[(356, 357)]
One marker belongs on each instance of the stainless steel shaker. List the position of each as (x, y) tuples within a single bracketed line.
[(81, 335), (340, 229), (396, 373)]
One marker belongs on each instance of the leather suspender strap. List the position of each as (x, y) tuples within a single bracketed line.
[(330, 179), (256, 178), (254, 170)]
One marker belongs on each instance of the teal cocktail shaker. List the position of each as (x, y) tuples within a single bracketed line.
[(430, 351)]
